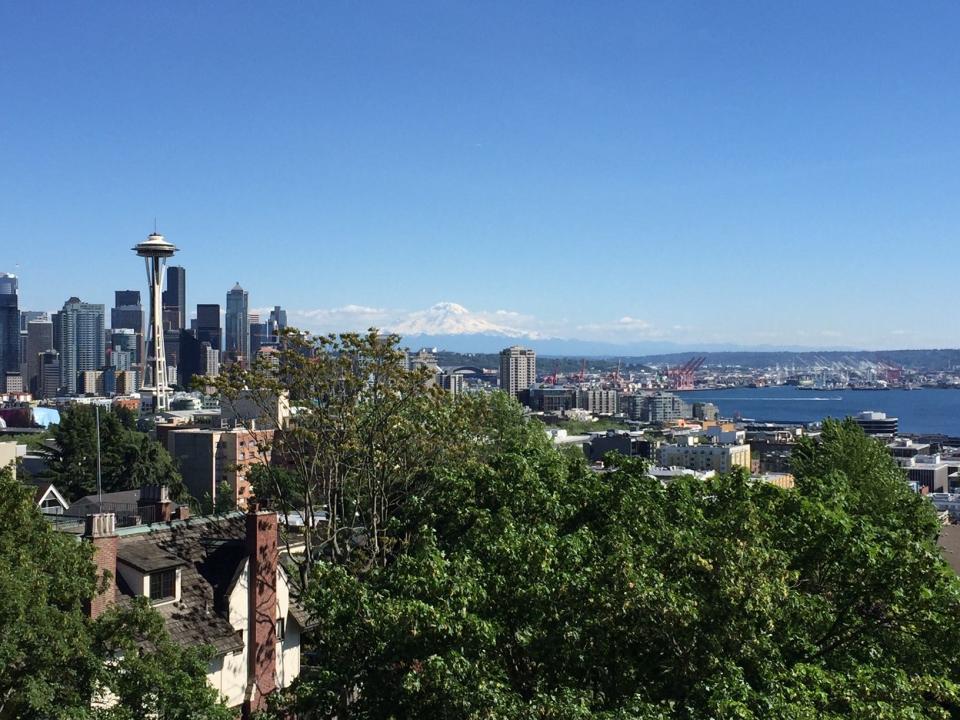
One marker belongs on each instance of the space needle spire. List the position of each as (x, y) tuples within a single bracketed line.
[(155, 250)]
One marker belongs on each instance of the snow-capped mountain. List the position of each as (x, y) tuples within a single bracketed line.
[(447, 318)]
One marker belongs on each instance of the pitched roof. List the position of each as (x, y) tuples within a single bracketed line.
[(211, 551)]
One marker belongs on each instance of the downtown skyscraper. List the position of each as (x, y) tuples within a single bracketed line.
[(9, 328), (238, 325), (78, 330), (175, 299)]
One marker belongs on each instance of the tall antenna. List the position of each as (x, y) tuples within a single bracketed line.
[(96, 410)]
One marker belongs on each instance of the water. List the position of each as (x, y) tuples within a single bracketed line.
[(927, 410)]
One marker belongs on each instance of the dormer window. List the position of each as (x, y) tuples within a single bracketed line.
[(163, 586)]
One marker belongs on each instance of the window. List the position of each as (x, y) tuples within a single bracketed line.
[(281, 628), (163, 585)]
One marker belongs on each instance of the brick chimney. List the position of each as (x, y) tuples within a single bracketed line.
[(155, 501), (262, 636), (100, 531)]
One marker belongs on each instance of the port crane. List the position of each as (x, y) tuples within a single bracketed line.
[(681, 377)]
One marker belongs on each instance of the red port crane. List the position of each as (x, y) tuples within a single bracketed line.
[(681, 377)]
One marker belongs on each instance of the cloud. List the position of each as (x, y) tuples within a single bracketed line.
[(624, 329), (344, 318)]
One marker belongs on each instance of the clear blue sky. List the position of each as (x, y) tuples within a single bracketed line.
[(768, 172)]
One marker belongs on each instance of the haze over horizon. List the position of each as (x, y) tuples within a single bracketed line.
[(690, 174)]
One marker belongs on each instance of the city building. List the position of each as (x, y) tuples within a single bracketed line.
[(237, 325), (39, 340), (9, 327), (658, 407), (91, 382), (127, 313), (451, 382), (704, 411), (209, 360), (928, 472), (208, 326), (721, 458), (78, 337), (548, 399), (214, 458), (48, 375), (518, 369), (260, 334), (877, 423), (423, 358), (175, 299), (598, 402), (278, 320)]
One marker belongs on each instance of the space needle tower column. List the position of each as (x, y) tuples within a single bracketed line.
[(155, 250)]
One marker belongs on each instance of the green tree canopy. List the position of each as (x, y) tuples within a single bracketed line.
[(129, 459), (526, 586), (54, 660)]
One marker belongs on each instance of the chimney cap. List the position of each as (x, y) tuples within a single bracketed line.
[(100, 525)]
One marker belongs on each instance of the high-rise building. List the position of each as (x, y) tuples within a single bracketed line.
[(208, 325), (209, 360), (48, 378), (518, 369), (28, 316), (9, 327), (238, 325), (278, 321), (39, 340), (128, 313), (80, 341), (175, 299), (260, 334)]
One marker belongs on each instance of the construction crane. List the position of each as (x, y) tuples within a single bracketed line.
[(583, 371)]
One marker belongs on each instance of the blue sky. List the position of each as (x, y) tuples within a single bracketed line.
[(757, 173)]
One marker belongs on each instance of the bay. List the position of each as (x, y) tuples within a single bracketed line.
[(926, 410)]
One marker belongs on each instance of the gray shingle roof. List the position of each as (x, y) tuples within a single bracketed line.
[(211, 551)]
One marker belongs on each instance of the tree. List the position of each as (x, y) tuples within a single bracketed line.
[(365, 437), (54, 659), (128, 459), (529, 586)]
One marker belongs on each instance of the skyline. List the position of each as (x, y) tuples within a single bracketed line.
[(750, 176)]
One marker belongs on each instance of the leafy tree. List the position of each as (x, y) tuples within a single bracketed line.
[(128, 458), (528, 586), (54, 660), (364, 439)]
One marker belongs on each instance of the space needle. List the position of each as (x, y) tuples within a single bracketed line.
[(155, 250)]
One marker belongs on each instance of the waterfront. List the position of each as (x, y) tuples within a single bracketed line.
[(926, 410)]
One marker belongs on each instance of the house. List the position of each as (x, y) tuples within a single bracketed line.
[(49, 499), (215, 581)]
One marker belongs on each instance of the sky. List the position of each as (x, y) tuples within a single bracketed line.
[(757, 173)]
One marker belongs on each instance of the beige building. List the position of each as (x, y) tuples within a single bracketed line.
[(518, 369), (210, 458), (721, 458)]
